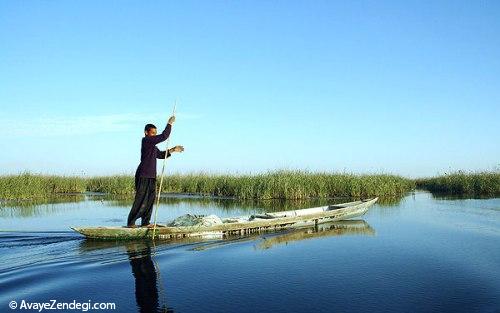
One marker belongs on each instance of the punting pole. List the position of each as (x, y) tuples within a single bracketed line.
[(161, 177)]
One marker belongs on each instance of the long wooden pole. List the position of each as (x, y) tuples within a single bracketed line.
[(161, 177)]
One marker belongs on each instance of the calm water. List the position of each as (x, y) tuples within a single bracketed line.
[(419, 254)]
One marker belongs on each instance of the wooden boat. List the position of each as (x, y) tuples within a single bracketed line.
[(324, 230), (238, 226)]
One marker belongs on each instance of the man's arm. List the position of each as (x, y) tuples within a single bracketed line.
[(161, 137), (161, 154)]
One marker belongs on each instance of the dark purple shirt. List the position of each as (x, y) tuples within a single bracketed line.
[(149, 153)]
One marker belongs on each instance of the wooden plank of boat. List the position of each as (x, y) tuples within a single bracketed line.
[(245, 225)]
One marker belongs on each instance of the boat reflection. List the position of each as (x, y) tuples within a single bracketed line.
[(339, 228), (266, 240)]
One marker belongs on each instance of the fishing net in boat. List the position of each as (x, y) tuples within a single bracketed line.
[(235, 220), (196, 220)]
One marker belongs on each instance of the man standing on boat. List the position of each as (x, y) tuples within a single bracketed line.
[(145, 175)]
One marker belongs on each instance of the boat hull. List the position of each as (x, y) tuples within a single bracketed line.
[(280, 220)]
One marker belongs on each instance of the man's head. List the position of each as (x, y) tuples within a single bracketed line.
[(150, 130)]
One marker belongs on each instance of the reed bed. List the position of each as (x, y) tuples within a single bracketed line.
[(31, 186), (115, 185), (278, 185), (463, 183), (289, 185), (271, 185)]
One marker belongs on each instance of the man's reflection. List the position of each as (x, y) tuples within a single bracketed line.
[(146, 275)]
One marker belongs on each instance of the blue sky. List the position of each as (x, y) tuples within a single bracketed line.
[(405, 87)]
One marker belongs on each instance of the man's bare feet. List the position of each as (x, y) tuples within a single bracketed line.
[(131, 226), (148, 226)]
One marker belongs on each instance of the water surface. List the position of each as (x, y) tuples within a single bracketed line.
[(419, 254)]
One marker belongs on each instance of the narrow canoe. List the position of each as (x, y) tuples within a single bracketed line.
[(238, 226), (353, 227)]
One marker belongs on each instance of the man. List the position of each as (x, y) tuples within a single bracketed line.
[(145, 175)]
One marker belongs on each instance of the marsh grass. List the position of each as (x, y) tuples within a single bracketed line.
[(463, 183), (115, 185), (271, 185), (289, 185), (31, 186), (277, 185)]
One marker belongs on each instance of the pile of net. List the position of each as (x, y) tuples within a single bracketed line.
[(196, 220)]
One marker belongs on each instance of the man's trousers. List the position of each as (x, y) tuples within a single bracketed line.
[(145, 193)]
